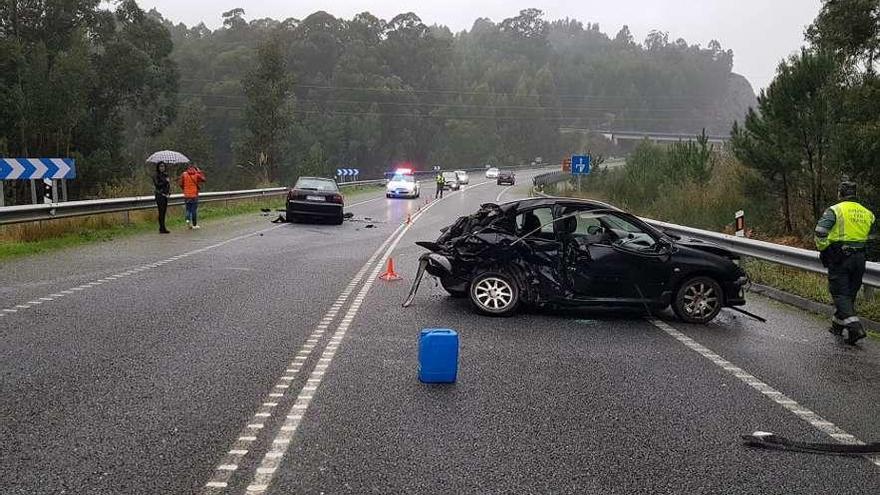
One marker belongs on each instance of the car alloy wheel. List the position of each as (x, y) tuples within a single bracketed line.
[(699, 300), (494, 294)]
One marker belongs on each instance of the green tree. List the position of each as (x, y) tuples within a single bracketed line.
[(268, 114), (850, 29), (790, 138), (71, 72)]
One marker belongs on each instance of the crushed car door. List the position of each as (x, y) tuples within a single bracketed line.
[(539, 251), (611, 259)]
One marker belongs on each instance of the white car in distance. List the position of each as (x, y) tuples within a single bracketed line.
[(403, 184), (492, 173)]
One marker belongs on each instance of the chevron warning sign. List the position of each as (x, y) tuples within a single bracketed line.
[(37, 168)]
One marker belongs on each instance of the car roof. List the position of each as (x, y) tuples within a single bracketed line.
[(316, 178), (522, 204)]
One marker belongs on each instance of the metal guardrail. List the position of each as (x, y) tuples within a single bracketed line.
[(551, 178), (34, 213), (803, 259), (70, 209)]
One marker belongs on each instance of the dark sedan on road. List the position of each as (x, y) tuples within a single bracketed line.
[(451, 181), (506, 177), (316, 198), (581, 253)]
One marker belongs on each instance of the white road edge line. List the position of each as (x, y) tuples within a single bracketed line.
[(267, 468), (102, 281), (801, 412), (502, 193)]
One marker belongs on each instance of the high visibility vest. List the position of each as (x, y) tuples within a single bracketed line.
[(853, 224)]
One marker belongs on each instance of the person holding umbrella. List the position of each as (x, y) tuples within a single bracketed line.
[(191, 181), (162, 183)]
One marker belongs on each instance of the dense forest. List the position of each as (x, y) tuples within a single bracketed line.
[(816, 123), (263, 101)]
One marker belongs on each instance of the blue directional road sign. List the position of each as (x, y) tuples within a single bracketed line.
[(37, 168), (347, 172), (580, 164)]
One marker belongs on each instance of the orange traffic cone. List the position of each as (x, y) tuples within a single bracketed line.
[(390, 275)]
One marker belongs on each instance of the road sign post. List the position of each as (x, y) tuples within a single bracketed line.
[(342, 173), (580, 166), (740, 217), (37, 169)]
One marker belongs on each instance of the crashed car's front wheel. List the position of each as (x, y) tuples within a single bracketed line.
[(698, 300), (494, 294), (454, 289)]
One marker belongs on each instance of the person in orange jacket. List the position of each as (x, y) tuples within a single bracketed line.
[(191, 181)]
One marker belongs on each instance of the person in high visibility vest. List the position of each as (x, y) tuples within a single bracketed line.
[(841, 236), (441, 184)]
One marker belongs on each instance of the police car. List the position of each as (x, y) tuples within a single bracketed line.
[(402, 184)]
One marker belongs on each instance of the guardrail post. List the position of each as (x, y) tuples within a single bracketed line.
[(2, 193)]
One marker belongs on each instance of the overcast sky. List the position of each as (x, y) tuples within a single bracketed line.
[(760, 32)]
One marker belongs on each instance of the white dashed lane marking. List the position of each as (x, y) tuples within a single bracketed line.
[(221, 477), (776, 396), (271, 461)]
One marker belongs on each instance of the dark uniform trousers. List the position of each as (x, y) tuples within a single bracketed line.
[(844, 281)]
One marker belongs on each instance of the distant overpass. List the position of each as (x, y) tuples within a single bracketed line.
[(617, 136)]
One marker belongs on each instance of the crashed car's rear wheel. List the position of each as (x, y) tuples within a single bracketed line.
[(698, 300), (494, 294)]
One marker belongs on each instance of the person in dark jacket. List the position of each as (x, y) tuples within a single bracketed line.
[(162, 184)]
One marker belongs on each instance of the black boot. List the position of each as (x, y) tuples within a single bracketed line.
[(836, 329), (855, 333)]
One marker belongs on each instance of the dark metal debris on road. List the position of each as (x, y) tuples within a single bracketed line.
[(765, 440)]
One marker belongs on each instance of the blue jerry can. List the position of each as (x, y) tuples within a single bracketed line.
[(438, 355)]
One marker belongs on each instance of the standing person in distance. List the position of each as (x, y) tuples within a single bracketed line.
[(441, 184), (162, 184), (191, 182), (841, 236)]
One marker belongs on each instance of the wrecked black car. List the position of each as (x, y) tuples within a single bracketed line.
[(580, 253)]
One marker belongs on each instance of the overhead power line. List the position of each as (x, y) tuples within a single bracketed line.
[(454, 92), (472, 117), (462, 105)]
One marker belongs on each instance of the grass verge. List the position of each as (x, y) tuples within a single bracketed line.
[(41, 237), (812, 286)]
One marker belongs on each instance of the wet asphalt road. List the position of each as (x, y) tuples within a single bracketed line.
[(140, 382)]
